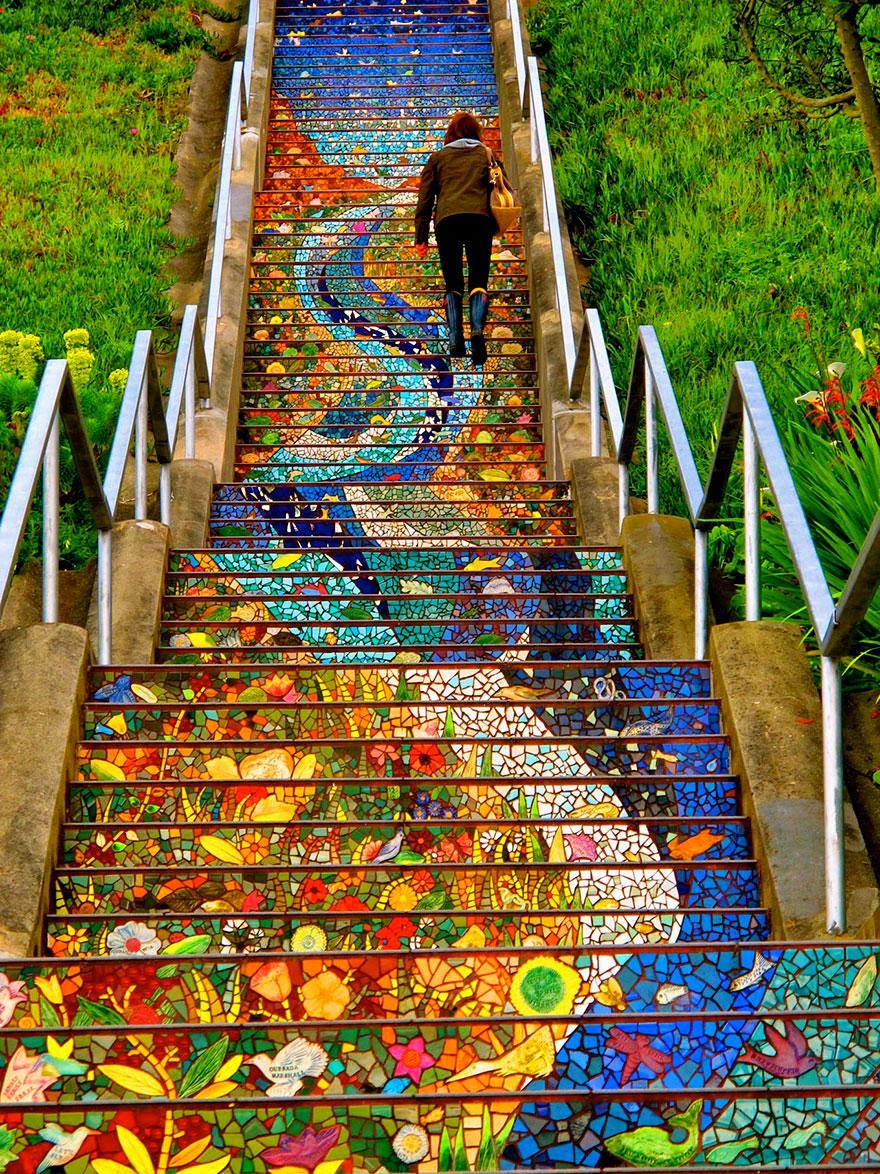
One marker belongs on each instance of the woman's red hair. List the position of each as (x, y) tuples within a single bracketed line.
[(463, 126)]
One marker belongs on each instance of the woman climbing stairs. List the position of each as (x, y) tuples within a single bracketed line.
[(401, 855)]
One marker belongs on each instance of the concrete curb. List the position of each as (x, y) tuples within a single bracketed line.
[(39, 728), (773, 715)]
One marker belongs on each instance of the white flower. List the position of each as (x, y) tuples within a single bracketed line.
[(133, 938), (410, 1143), (240, 937)]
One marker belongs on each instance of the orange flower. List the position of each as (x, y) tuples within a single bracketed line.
[(272, 981), (254, 847), (278, 684), (325, 997)]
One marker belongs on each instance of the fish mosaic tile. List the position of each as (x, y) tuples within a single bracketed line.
[(403, 855)]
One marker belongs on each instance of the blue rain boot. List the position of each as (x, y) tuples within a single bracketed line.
[(479, 308), (455, 323)]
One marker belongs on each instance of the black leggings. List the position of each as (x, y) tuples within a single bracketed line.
[(470, 233)]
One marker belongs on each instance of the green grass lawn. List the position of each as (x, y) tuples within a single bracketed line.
[(700, 207), (91, 117), (93, 100)]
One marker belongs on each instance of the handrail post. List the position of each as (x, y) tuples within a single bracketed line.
[(189, 406), (832, 771), (701, 591), (595, 394), (105, 597), (51, 507), (751, 522), (651, 439), (622, 492), (140, 452)]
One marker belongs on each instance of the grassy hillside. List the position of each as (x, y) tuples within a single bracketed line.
[(93, 99), (700, 206)]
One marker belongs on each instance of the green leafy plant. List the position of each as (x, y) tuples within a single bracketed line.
[(832, 440), (171, 33)]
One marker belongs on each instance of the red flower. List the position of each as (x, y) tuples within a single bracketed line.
[(456, 847), (419, 840), (389, 935), (314, 891), (304, 1150), (426, 759), (383, 754), (870, 397), (799, 314), (349, 905)]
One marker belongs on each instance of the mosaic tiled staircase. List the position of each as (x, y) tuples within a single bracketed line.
[(401, 856)]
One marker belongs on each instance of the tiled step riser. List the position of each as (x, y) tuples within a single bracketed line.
[(504, 309), (674, 982), (347, 412), (546, 754), (270, 654), (361, 527), (358, 1058), (234, 931), (712, 1128), (683, 796), (437, 610), (295, 720), (210, 598), (128, 845), (533, 682), (447, 887), (488, 561), (262, 504), (483, 634)]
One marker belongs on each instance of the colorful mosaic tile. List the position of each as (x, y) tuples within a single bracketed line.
[(404, 857)]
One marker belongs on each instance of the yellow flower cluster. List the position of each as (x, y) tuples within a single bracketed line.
[(20, 354), (80, 359)]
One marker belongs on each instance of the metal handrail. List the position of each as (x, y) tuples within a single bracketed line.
[(531, 109), (141, 412), (540, 153), (230, 161), (519, 56), (189, 377), (56, 404), (746, 417), (250, 47)]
